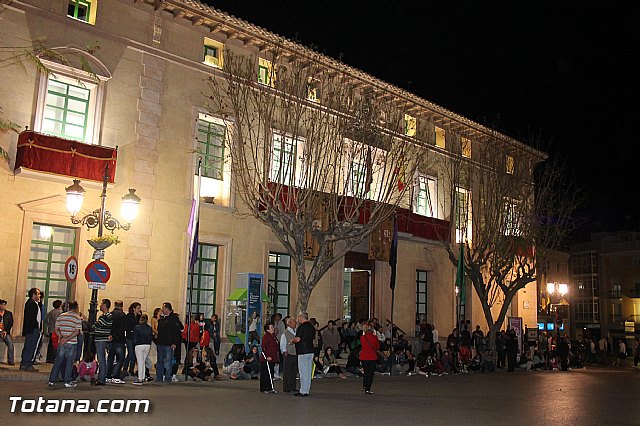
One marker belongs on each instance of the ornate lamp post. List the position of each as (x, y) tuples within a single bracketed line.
[(102, 219)]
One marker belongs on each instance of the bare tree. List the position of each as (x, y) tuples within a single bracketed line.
[(314, 156), (511, 206)]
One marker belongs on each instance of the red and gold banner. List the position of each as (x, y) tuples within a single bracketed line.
[(50, 154)]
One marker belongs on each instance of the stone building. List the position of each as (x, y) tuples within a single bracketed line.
[(151, 62)]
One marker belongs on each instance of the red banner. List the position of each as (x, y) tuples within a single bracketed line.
[(50, 154)]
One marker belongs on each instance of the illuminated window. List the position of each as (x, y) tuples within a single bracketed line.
[(266, 72), (213, 53), (426, 196), (51, 246), (463, 215), (279, 282), (440, 138), (211, 139), (509, 165), (410, 125), (68, 109), (284, 157), (511, 219), (358, 179), (313, 89), (83, 10), (465, 147)]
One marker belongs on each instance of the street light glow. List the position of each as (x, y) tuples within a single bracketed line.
[(551, 288), (563, 289), (75, 196), (130, 205)]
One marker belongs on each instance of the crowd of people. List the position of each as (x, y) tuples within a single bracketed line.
[(290, 348)]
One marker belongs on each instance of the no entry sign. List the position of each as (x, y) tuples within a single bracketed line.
[(97, 272)]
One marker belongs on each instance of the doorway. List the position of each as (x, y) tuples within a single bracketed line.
[(358, 287)]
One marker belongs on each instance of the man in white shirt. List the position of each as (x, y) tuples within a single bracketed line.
[(289, 356)]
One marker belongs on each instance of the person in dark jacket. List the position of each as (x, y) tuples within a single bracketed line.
[(453, 346), (142, 337), (31, 327), (305, 335), (169, 337), (6, 324), (501, 348), (563, 352), (131, 322), (118, 344), (268, 358), (512, 350), (214, 332)]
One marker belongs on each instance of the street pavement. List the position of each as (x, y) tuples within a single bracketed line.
[(582, 397)]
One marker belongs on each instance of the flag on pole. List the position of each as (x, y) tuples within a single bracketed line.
[(460, 285), (194, 220), (393, 255)]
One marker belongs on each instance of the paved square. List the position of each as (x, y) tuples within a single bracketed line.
[(587, 396)]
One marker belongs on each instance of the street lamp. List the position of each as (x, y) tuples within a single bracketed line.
[(562, 306), (100, 218)]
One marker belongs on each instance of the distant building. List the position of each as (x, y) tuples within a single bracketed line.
[(606, 278)]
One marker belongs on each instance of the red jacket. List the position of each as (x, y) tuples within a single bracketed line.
[(194, 334), (370, 345), (270, 348)]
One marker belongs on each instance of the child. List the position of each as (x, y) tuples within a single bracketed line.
[(88, 367), (193, 365)]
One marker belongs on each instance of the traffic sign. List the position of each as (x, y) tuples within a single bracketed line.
[(97, 272), (71, 269)]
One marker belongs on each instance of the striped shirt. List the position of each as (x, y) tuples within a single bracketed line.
[(102, 327), (68, 323)]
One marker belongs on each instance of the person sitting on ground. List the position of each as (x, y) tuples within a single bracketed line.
[(537, 362), (330, 364), (209, 362), (447, 361), (234, 363), (252, 363), (425, 364), (476, 363), (193, 365), (88, 367), (488, 361), (353, 362)]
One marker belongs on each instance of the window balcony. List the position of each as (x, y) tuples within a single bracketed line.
[(52, 155)]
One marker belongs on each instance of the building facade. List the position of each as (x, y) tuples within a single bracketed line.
[(143, 95)]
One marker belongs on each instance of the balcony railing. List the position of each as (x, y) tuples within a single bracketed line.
[(54, 155)]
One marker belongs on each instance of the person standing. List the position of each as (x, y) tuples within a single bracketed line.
[(290, 360), (279, 326), (132, 320), (118, 344), (169, 336), (6, 324), (68, 327), (436, 335), (331, 338), (512, 350), (31, 330), (501, 348), (52, 316), (368, 356), (214, 333), (305, 335), (269, 357), (102, 337), (142, 338)]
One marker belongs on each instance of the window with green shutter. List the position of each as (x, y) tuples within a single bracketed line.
[(50, 248), (205, 275), (279, 282), (211, 138), (82, 10), (66, 110)]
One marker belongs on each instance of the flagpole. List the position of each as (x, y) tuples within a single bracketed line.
[(193, 248), (393, 260)]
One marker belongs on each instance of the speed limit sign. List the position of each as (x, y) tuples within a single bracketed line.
[(71, 269)]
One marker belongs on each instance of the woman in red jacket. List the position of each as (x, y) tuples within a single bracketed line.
[(268, 358), (368, 355)]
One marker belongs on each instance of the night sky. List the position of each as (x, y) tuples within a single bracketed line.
[(563, 72)]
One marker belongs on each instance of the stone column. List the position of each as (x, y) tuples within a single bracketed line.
[(145, 167)]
